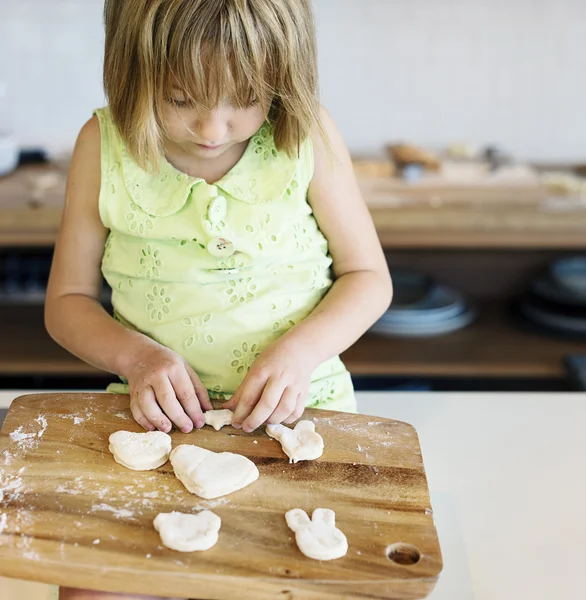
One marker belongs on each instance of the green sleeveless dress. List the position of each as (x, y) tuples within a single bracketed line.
[(217, 272)]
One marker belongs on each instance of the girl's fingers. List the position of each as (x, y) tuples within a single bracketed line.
[(185, 393), (167, 399), (298, 412), (140, 418), (147, 402), (270, 398), (200, 389), (286, 406), (249, 393), (232, 404)]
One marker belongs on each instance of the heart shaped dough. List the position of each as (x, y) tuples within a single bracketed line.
[(188, 533), (140, 451), (210, 474), (301, 443)]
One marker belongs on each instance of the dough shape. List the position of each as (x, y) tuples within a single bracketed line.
[(140, 451), (301, 443), (210, 474), (188, 533), (319, 538), (218, 418)]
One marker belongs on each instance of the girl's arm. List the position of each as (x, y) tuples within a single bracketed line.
[(76, 320), (276, 387)]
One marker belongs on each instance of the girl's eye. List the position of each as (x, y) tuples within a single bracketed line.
[(177, 103), (243, 106)]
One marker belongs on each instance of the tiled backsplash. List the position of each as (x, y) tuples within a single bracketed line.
[(429, 71)]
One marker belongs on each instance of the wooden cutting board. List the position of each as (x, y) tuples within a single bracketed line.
[(72, 516)]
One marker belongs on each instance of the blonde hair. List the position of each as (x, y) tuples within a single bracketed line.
[(244, 50)]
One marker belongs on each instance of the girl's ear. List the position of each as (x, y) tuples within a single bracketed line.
[(324, 515), (297, 519)]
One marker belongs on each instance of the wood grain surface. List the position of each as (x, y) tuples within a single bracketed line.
[(72, 516)]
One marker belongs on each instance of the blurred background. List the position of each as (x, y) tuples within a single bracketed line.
[(465, 122)]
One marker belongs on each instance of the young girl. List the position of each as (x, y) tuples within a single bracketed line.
[(219, 202)]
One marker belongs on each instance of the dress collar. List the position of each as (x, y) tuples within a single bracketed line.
[(262, 174)]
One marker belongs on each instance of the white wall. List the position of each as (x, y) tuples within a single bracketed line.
[(430, 71), (51, 61)]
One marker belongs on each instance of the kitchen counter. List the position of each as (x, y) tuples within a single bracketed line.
[(510, 510)]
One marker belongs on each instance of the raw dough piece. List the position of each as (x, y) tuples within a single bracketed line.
[(188, 533), (319, 538), (301, 443), (218, 418), (140, 451), (210, 474)]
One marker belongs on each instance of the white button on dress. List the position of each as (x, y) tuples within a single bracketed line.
[(217, 209), (221, 248)]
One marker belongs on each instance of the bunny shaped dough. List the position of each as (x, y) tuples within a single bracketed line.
[(301, 443), (319, 538)]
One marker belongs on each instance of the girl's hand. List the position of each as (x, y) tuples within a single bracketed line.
[(274, 390), (164, 389)]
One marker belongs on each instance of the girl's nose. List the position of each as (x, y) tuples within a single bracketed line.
[(211, 128)]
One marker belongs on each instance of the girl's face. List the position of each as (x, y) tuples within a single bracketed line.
[(207, 134)]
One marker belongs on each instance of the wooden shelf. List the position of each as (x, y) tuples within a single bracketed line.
[(472, 216), (508, 218), (488, 348), (486, 228), (27, 348)]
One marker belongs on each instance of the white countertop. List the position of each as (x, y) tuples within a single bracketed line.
[(507, 475)]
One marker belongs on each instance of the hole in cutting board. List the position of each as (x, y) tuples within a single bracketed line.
[(404, 554)]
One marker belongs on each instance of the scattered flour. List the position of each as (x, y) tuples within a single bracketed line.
[(25, 441), (72, 488), (79, 418), (25, 544), (11, 485), (122, 415), (61, 489), (3, 522), (209, 504), (101, 494), (119, 513), (352, 429), (29, 440), (43, 423)]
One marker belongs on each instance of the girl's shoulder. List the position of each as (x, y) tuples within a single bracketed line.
[(107, 129), (89, 134), (87, 149)]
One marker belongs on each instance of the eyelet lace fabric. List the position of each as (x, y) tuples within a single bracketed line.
[(218, 312)]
